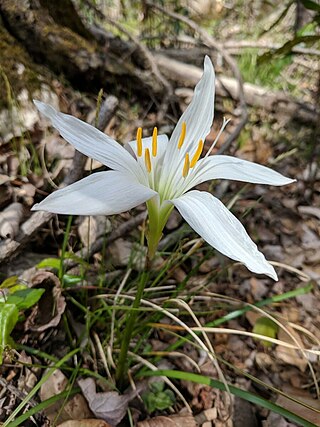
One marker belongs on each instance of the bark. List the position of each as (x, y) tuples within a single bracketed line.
[(87, 64)]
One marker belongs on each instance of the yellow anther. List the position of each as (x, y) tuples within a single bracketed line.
[(147, 159), (197, 154), (139, 142), (182, 135), (155, 142), (186, 166)]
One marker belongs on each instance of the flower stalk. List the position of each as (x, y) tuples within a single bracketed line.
[(129, 327)]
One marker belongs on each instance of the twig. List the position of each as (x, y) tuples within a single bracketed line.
[(10, 248), (213, 44)]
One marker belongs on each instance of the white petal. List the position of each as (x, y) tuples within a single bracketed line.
[(102, 193), (221, 229), (147, 143), (227, 167), (89, 140), (198, 118), (199, 114)]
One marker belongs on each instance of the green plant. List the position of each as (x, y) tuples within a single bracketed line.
[(14, 298), (158, 398)]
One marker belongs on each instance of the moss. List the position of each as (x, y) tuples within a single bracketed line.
[(17, 70)]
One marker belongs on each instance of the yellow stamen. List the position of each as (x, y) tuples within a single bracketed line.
[(197, 154), (186, 166), (139, 142), (154, 142), (147, 159), (182, 135)]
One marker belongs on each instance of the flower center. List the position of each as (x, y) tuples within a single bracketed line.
[(153, 150)]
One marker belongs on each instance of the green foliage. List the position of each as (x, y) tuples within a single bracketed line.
[(158, 398), (307, 35), (19, 297), (264, 74), (55, 263), (49, 263), (286, 49), (9, 314), (71, 279), (267, 327), (25, 298), (311, 5)]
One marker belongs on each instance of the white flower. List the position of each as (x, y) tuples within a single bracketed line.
[(162, 172)]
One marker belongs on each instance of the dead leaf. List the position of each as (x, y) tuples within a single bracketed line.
[(124, 252), (47, 313), (310, 210), (258, 288), (76, 408), (170, 421), (290, 355), (109, 406), (57, 148), (92, 227), (10, 219), (84, 423)]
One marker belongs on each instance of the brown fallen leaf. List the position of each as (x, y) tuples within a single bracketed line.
[(10, 219), (109, 406), (170, 421), (47, 313), (85, 423), (93, 227), (310, 210), (290, 355), (76, 407)]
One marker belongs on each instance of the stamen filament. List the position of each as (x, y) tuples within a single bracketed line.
[(186, 166), (182, 135), (224, 124), (139, 142), (147, 160), (154, 142), (197, 154)]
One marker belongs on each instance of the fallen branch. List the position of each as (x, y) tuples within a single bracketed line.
[(186, 75), (236, 45)]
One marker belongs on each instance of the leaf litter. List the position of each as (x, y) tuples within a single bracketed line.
[(288, 231)]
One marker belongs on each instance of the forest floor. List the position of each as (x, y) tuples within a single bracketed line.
[(67, 336)]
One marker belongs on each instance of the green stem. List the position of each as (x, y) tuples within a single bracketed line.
[(63, 249), (130, 323)]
